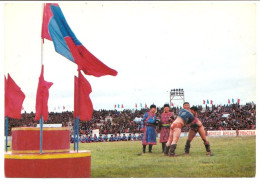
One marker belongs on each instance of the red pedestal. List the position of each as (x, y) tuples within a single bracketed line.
[(53, 165), (56, 160), (27, 140)]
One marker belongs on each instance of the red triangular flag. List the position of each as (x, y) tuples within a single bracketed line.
[(204, 101), (122, 106), (14, 98), (42, 98), (82, 103)]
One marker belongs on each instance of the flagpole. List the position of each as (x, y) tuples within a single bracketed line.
[(42, 39), (6, 133), (41, 120), (78, 109), (74, 132), (77, 133), (41, 125)]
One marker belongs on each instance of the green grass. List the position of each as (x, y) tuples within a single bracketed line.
[(233, 157)]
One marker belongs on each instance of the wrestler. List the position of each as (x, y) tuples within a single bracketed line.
[(184, 117), (196, 126)]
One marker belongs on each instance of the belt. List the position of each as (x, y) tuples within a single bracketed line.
[(150, 125), (166, 125)]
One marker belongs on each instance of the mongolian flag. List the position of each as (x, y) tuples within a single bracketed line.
[(42, 97), (82, 103), (211, 101), (14, 98), (228, 101), (115, 106), (238, 101), (122, 106), (204, 101), (55, 28)]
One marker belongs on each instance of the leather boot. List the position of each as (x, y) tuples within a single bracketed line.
[(172, 150), (187, 147), (144, 147), (163, 147), (150, 148), (166, 150)]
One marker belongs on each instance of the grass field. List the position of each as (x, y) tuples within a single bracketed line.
[(233, 157)]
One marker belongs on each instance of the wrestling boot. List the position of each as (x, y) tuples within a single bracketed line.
[(187, 147), (150, 148), (172, 150), (144, 148), (163, 147), (166, 150), (207, 146)]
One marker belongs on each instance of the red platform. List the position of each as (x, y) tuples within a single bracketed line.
[(56, 160), (27, 140), (53, 165)]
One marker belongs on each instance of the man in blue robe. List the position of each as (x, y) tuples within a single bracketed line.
[(149, 121)]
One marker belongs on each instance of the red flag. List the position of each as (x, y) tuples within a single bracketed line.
[(115, 106), (122, 106), (204, 101), (136, 105), (82, 103), (228, 101), (145, 105), (211, 101), (14, 98), (171, 104), (238, 101), (42, 98), (63, 107)]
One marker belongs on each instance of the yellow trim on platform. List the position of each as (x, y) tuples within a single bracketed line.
[(38, 151), (38, 128), (71, 154)]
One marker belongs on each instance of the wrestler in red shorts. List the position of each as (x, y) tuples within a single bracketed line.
[(196, 126)]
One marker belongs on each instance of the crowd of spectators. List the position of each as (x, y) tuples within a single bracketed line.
[(118, 122), (106, 138)]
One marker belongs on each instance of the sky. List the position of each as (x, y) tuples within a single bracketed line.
[(207, 49)]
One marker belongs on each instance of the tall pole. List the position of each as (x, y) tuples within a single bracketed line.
[(77, 133), (6, 133), (41, 120), (41, 125), (78, 109), (74, 132)]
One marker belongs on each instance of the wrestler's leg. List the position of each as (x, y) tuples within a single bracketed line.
[(204, 138), (191, 135), (176, 136)]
